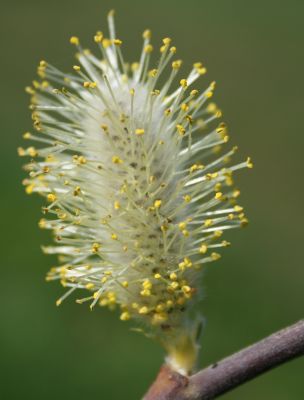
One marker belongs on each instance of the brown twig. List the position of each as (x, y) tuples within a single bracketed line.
[(232, 371)]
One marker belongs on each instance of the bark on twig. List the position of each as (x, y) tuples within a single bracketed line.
[(232, 371)]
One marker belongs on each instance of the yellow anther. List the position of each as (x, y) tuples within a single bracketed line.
[(236, 193), (217, 234), (167, 111), (208, 222), (96, 295), (222, 129), (95, 248), (196, 167), (104, 279), (147, 284), (176, 64), (184, 107), (148, 48), (29, 188), (139, 131), (51, 197), (189, 118), (134, 305), (238, 208), (125, 284), (215, 256), (45, 84), (125, 248), (77, 191), (116, 160), (74, 40), (30, 90), (106, 43), (218, 196), (147, 34), (108, 273), (146, 292), (181, 130), (143, 310), (182, 225), (132, 92), (203, 249), (202, 70), (186, 289), (249, 163), (187, 198), (174, 285), (194, 92), (155, 92), (76, 68), (182, 266), (173, 276), (89, 285), (153, 72), (188, 262), (98, 37), (225, 243), (26, 135), (134, 66), (244, 222), (208, 177), (112, 297), (185, 233), (169, 303), (36, 84), (93, 85), (157, 203), (123, 188), (173, 49), (183, 83), (157, 276), (104, 302), (62, 215), (81, 160), (209, 94), (125, 316), (114, 236), (32, 152), (167, 41), (160, 307), (159, 318), (117, 42), (42, 223), (230, 217), (229, 180), (211, 108), (104, 127), (58, 302), (116, 205)]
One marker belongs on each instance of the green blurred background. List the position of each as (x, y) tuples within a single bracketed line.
[(254, 50)]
